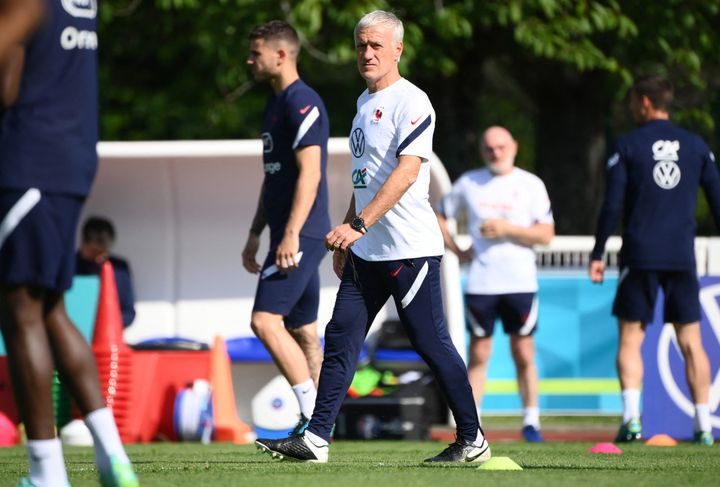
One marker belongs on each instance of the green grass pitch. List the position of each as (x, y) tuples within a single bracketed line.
[(395, 463)]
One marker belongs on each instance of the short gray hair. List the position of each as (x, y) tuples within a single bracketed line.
[(381, 17)]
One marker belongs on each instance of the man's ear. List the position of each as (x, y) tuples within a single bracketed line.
[(282, 55), (646, 103)]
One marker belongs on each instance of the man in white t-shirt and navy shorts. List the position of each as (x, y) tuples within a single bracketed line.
[(508, 212), (389, 245)]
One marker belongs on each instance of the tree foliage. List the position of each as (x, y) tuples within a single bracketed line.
[(554, 71)]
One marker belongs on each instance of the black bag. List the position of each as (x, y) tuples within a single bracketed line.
[(407, 413), (392, 335)]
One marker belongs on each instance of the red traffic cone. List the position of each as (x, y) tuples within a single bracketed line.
[(228, 426), (108, 321), (112, 356)]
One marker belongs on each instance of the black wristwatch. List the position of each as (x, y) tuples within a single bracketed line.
[(358, 224)]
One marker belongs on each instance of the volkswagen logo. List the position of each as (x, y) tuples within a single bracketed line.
[(668, 341), (267, 142), (357, 142), (666, 174)]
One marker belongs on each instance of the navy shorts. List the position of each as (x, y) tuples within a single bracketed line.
[(637, 294), (296, 295), (37, 238), (518, 312)]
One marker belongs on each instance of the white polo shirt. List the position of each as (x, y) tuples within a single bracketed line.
[(500, 266), (397, 120)]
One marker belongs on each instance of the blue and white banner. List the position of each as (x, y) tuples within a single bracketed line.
[(576, 344), (667, 404)]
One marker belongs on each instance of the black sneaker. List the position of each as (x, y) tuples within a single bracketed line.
[(301, 426), (463, 451), (630, 431), (297, 448), (704, 438)]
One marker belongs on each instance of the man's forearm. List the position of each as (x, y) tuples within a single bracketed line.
[(606, 222), (394, 187), (537, 234), (447, 237), (259, 221)]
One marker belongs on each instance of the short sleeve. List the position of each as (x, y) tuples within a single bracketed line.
[(304, 119), (540, 204), (415, 126)]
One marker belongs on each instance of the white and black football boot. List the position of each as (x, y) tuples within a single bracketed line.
[(463, 451), (298, 448)]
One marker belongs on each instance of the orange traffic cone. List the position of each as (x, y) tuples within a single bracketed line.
[(228, 426), (112, 355), (661, 440)]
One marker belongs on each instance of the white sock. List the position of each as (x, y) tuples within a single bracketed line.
[(315, 439), (47, 467), (105, 437), (702, 417), (479, 438), (532, 417), (479, 411), (631, 404), (306, 394)]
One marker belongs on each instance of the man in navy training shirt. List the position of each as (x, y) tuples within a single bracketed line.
[(389, 245), (294, 204), (653, 178), (48, 161), (97, 238)]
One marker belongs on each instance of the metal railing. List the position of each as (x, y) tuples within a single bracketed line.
[(572, 253)]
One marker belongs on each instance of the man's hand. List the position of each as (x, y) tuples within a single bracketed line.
[(339, 258), (494, 228), (249, 253), (596, 271), (286, 252), (466, 255), (342, 237)]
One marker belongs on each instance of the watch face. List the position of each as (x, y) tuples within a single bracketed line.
[(357, 223)]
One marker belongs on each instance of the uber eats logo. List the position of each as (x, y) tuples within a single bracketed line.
[(359, 178)]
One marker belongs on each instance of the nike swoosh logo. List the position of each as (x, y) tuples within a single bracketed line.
[(480, 453), (397, 271), (303, 111), (471, 458), (413, 122)]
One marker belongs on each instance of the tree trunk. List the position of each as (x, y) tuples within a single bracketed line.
[(571, 145)]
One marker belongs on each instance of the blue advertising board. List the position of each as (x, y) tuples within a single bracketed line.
[(576, 343), (667, 404)]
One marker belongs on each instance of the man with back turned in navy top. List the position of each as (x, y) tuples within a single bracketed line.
[(653, 178), (48, 161), (294, 204)]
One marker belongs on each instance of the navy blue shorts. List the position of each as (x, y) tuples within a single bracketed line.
[(518, 312), (37, 238), (296, 295), (637, 294)]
